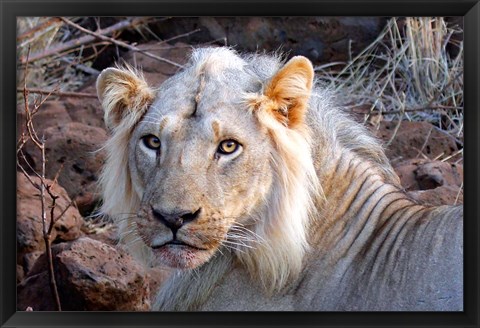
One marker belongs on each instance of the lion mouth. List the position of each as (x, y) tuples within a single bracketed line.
[(177, 243), (179, 254)]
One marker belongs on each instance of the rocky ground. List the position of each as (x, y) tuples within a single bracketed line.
[(91, 272)]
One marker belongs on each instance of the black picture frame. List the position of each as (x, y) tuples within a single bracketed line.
[(9, 9)]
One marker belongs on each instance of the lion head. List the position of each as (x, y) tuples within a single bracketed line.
[(216, 159)]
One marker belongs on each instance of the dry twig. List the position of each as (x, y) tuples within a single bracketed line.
[(59, 93), (100, 35), (31, 135), (75, 43)]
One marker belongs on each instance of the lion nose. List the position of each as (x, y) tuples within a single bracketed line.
[(175, 221)]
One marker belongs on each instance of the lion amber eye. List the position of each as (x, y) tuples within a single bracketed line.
[(228, 147), (151, 142)]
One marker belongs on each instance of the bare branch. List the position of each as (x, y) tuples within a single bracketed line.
[(42, 186), (58, 48), (122, 44), (72, 202), (60, 93), (40, 27)]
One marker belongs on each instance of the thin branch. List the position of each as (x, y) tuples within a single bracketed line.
[(55, 180), (426, 141), (40, 144), (458, 193), (122, 44), (81, 67), (72, 201), (409, 110), (59, 93), (181, 36), (58, 48), (37, 28)]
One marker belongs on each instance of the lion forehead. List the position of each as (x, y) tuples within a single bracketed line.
[(211, 79)]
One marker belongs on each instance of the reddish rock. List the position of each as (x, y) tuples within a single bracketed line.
[(415, 140), (91, 276), (154, 70), (435, 174), (406, 173), (29, 224), (75, 149), (421, 174), (321, 39), (50, 113), (88, 111), (20, 273), (34, 291), (30, 258), (432, 182), (443, 195)]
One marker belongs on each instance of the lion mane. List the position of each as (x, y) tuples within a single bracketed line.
[(334, 224)]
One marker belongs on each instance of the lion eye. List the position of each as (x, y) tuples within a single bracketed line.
[(228, 147), (151, 142)]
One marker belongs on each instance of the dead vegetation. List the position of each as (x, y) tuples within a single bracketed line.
[(29, 134), (407, 73), (63, 50)]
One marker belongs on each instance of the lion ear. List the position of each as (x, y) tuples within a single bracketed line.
[(124, 95), (288, 91)]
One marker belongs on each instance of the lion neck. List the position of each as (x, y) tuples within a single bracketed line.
[(357, 192)]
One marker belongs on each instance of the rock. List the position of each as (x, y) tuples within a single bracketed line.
[(421, 174), (435, 174), (50, 113), (432, 182), (414, 139), (406, 172), (75, 149), (321, 39), (155, 71), (30, 259), (20, 273), (443, 195), (30, 241), (91, 276), (34, 291), (88, 111)]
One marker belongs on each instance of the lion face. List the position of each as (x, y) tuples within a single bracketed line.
[(196, 166), (213, 156)]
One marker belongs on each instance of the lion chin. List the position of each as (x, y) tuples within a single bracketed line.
[(180, 256)]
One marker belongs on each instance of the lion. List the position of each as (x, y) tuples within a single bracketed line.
[(241, 174)]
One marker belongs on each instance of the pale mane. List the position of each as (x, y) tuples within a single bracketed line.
[(284, 219), (120, 201)]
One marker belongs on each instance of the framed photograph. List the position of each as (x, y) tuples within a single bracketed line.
[(222, 163)]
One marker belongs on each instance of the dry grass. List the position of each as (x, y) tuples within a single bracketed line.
[(407, 73), (61, 55), (57, 71)]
